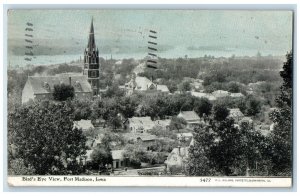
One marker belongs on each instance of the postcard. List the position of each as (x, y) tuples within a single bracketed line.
[(175, 98)]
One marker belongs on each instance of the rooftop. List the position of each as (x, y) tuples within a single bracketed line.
[(45, 84), (189, 115), (83, 124)]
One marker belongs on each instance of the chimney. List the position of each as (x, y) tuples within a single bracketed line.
[(70, 81)]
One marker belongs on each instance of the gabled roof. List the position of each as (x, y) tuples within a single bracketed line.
[(189, 115), (146, 137), (143, 83), (142, 122), (45, 84), (83, 124), (235, 112), (117, 154), (163, 88)]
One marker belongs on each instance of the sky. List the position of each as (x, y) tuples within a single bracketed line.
[(125, 32)]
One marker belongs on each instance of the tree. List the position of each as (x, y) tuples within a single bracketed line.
[(17, 167), (185, 86), (281, 137), (233, 87), (227, 154), (62, 92), (199, 161), (100, 157), (202, 106), (177, 123), (220, 112), (44, 136), (223, 149), (253, 105)]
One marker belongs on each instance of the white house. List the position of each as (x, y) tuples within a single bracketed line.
[(139, 124), (83, 124)]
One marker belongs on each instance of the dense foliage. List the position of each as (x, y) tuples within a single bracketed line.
[(44, 137), (282, 117), (62, 92)]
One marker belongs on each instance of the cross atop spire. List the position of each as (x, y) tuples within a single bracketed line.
[(91, 43)]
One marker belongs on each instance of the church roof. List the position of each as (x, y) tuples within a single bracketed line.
[(45, 84)]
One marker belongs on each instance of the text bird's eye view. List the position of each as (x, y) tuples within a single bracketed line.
[(153, 93)]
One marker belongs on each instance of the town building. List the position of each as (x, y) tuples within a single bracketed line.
[(84, 125), (220, 94), (39, 88), (164, 124), (236, 114), (139, 124), (87, 85), (208, 96), (191, 118), (177, 160), (145, 140), (143, 84), (91, 62), (184, 136), (236, 95), (118, 159)]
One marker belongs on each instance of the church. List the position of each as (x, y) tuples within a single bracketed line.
[(86, 85)]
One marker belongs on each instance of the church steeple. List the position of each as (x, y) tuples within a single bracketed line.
[(91, 43), (91, 62)]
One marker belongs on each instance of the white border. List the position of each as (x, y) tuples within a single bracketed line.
[(225, 5)]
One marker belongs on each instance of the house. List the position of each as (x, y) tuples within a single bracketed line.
[(236, 114), (42, 87), (220, 94), (83, 124), (118, 159), (184, 136), (209, 96), (177, 160), (139, 124), (197, 84), (98, 140), (236, 95), (87, 157), (165, 124), (190, 117), (144, 139), (143, 84)]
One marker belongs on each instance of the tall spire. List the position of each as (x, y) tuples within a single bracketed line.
[(91, 43)]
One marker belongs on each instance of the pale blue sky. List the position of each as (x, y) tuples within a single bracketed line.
[(269, 32)]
